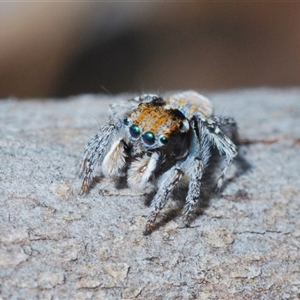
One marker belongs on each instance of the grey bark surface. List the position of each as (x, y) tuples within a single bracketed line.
[(55, 244)]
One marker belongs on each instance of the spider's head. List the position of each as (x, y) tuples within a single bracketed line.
[(153, 125)]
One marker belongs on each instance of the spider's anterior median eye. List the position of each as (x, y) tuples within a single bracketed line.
[(126, 121), (164, 140), (149, 138), (134, 131)]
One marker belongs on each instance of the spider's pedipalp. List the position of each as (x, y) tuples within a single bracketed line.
[(115, 160), (141, 171)]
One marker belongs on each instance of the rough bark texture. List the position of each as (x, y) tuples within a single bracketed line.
[(55, 244)]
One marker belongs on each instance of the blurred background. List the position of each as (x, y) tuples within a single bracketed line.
[(62, 49)]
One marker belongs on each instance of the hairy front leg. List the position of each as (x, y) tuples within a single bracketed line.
[(193, 196), (166, 185)]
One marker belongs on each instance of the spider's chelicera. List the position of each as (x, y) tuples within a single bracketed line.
[(158, 144)]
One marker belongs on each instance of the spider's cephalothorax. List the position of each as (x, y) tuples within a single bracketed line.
[(158, 143)]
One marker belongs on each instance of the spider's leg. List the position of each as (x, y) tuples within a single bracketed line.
[(95, 153), (227, 146), (115, 160), (195, 175), (194, 167), (210, 130), (229, 127), (166, 184)]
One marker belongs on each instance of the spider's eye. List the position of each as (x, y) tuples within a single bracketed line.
[(134, 131), (164, 140), (126, 121), (149, 138)]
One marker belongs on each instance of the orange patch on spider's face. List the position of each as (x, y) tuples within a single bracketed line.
[(155, 118)]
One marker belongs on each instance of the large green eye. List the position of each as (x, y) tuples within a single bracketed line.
[(149, 138), (164, 140), (134, 131)]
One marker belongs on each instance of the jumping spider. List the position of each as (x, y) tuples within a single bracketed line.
[(159, 145)]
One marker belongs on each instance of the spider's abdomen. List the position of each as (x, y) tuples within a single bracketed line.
[(191, 103)]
